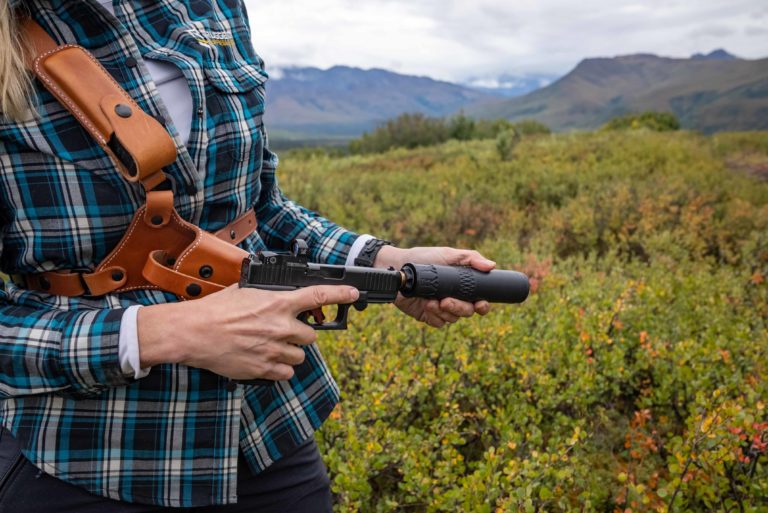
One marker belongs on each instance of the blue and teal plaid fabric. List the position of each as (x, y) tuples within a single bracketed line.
[(173, 437)]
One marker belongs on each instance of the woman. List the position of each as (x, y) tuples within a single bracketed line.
[(125, 402)]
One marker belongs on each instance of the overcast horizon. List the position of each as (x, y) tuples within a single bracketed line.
[(462, 40)]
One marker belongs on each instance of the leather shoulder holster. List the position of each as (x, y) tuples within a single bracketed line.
[(160, 250)]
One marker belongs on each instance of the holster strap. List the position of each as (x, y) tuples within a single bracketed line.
[(183, 285), (136, 142), (75, 283), (239, 229)]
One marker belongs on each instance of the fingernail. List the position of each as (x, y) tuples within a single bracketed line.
[(354, 294)]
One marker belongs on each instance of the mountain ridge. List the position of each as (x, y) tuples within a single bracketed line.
[(708, 92), (343, 100), (705, 94)]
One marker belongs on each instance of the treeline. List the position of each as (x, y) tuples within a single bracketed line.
[(653, 121), (411, 131), (417, 130)]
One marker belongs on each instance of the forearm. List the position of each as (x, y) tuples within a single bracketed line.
[(281, 221), (45, 350)]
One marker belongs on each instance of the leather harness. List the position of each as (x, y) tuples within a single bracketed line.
[(160, 250)]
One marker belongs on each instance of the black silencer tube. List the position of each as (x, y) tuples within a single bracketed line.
[(464, 283)]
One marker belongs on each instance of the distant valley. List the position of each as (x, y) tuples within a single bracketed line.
[(708, 92), (343, 102)]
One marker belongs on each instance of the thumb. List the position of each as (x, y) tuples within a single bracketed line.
[(317, 296), (475, 260)]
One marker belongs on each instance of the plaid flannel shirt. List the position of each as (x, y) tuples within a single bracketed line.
[(173, 437)]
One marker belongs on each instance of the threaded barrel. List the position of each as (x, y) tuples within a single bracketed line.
[(464, 283)]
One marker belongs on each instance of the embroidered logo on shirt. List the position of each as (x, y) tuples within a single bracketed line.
[(208, 37)]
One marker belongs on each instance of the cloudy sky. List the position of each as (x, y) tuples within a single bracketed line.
[(461, 39)]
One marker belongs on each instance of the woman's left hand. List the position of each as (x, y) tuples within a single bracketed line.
[(436, 313)]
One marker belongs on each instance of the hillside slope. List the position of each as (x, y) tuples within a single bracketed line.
[(348, 101), (706, 94)]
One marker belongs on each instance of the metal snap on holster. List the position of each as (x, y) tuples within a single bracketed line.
[(160, 250)]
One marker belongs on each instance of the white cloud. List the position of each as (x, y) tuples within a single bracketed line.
[(456, 39)]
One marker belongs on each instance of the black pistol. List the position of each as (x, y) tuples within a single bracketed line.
[(290, 271)]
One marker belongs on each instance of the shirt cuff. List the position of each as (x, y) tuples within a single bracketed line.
[(129, 344), (356, 248)]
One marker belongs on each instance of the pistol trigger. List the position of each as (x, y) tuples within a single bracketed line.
[(318, 315)]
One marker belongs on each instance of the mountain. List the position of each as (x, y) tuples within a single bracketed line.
[(716, 55), (707, 94), (345, 101), (510, 85)]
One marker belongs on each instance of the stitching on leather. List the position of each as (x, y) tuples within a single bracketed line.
[(76, 111), (176, 274), (199, 239), (124, 241), (59, 93), (139, 287)]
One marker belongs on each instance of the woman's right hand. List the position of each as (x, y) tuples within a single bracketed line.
[(237, 333)]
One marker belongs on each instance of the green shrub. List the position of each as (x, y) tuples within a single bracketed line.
[(491, 128), (633, 379), (405, 131), (528, 127), (461, 128), (417, 130), (655, 121), (506, 142)]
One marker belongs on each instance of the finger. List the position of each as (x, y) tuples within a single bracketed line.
[(279, 372), (432, 306), (433, 310), (309, 298), (479, 262), (474, 259), (448, 318), (430, 314), (457, 308), (301, 334), (290, 355), (433, 320), (482, 307)]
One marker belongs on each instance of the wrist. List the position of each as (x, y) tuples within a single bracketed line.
[(390, 256), (158, 332)]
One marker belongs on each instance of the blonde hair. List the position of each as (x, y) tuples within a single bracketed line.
[(15, 81)]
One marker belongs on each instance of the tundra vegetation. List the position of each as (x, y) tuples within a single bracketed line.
[(633, 379)]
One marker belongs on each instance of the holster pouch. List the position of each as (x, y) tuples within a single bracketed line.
[(160, 250)]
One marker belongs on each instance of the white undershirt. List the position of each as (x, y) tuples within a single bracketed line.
[(175, 94), (172, 87)]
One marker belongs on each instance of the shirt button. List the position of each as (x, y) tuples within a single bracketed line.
[(191, 189), (131, 62), (200, 112), (231, 386)]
